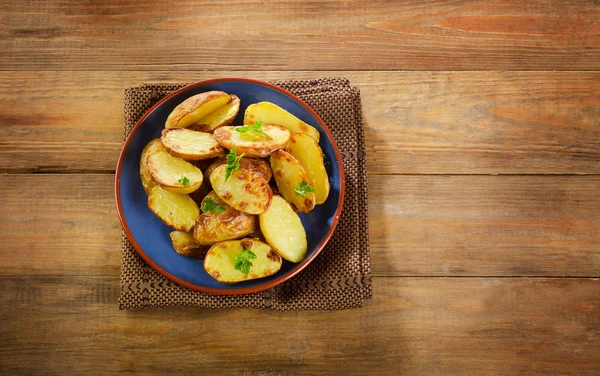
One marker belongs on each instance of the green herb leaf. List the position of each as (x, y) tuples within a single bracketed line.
[(184, 181), (210, 205), (256, 127), (303, 188), (242, 260), (233, 162)]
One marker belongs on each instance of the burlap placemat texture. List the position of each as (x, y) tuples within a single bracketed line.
[(339, 278)]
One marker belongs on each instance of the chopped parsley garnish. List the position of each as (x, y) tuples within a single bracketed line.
[(242, 260), (233, 163), (256, 127), (184, 181), (210, 205), (303, 188)]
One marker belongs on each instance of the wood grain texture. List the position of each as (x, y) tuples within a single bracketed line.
[(413, 326), (298, 35), (416, 122), (420, 225)]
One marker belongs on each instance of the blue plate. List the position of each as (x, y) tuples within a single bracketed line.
[(150, 236)]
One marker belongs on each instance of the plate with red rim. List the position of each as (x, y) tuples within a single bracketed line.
[(150, 236)]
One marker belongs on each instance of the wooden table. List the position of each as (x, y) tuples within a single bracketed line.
[(483, 137)]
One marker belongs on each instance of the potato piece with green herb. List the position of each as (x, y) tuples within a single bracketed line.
[(148, 181), (257, 140), (273, 114), (220, 117), (243, 190), (172, 173), (283, 230), (293, 182), (241, 260), (193, 109), (251, 164), (220, 222), (184, 244), (175, 210), (307, 151), (190, 145)]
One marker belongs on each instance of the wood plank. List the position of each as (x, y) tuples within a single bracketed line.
[(413, 326), (420, 225), (416, 122), (300, 35)]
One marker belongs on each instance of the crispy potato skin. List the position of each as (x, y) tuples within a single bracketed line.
[(219, 262), (148, 181), (271, 113), (190, 145), (177, 211), (220, 117), (185, 245), (288, 173), (167, 170), (252, 145), (212, 227), (197, 106), (306, 150), (251, 164), (283, 230), (245, 190)]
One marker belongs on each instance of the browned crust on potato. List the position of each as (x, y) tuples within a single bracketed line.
[(260, 149), (174, 149), (190, 105), (251, 164), (228, 121), (239, 224)]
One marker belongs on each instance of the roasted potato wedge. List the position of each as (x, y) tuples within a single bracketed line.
[(220, 261), (283, 230), (251, 164), (185, 245), (190, 145), (306, 150), (293, 182), (193, 109), (172, 173), (252, 144), (270, 113), (175, 210), (245, 190), (220, 117), (148, 181), (221, 223)]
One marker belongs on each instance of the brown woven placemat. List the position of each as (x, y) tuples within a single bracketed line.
[(339, 278)]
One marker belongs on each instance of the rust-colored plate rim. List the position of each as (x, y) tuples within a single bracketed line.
[(247, 290)]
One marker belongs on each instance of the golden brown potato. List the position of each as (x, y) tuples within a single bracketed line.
[(220, 222), (306, 150), (185, 245), (241, 260), (273, 114), (293, 182), (251, 164), (175, 210), (196, 107), (220, 117), (190, 145), (148, 181), (244, 190), (283, 230), (172, 173), (253, 144)]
